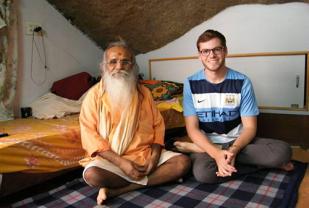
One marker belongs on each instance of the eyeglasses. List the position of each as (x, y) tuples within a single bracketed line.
[(216, 51), (123, 62)]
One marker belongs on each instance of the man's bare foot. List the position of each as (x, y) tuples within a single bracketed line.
[(288, 167), (102, 196), (182, 146), (107, 193), (187, 147)]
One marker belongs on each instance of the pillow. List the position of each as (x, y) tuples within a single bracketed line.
[(51, 106), (73, 87), (163, 90)]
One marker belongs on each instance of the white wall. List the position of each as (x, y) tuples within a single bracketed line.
[(248, 29), (68, 51)]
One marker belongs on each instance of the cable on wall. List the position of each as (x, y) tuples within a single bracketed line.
[(42, 60)]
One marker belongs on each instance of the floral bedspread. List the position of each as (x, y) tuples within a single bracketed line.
[(40, 145)]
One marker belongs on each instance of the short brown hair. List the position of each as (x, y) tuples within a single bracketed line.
[(208, 35)]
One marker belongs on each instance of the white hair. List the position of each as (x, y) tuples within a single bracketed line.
[(122, 44), (121, 86)]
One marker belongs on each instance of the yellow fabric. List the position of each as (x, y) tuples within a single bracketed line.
[(174, 104), (40, 145), (125, 129), (150, 128)]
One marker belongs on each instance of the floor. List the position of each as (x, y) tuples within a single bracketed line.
[(298, 154), (57, 181)]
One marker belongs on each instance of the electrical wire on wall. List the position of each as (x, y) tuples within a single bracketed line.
[(39, 32)]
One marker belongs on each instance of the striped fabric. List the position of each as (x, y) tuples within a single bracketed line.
[(219, 107)]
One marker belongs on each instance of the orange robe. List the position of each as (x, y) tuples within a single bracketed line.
[(150, 128)]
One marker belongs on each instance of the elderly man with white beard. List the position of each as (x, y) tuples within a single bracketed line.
[(122, 131)]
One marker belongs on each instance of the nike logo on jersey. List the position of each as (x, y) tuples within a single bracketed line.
[(199, 101)]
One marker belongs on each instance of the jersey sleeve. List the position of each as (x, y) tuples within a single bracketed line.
[(248, 105), (188, 105)]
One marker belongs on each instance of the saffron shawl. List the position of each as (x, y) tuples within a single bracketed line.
[(124, 131)]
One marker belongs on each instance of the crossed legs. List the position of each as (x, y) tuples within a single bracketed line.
[(113, 185), (261, 153)]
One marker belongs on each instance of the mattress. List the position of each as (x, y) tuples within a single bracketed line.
[(37, 146)]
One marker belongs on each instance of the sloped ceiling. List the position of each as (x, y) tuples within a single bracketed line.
[(145, 24)]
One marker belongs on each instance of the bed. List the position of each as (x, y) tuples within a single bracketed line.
[(37, 150), (40, 145), (48, 144)]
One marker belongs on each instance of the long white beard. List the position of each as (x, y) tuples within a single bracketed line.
[(120, 87)]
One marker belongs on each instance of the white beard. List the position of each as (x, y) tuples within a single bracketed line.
[(120, 87)]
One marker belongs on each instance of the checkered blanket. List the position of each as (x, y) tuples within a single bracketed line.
[(266, 188)]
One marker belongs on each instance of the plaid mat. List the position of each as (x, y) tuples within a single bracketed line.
[(266, 188)]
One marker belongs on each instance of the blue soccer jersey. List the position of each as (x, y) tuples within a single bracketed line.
[(219, 107)]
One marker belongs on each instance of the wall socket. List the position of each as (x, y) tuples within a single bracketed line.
[(30, 27)]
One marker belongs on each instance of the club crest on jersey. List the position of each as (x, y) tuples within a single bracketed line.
[(230, 100)]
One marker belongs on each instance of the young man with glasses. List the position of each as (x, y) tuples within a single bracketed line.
[(220, 112), (122, 131)]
